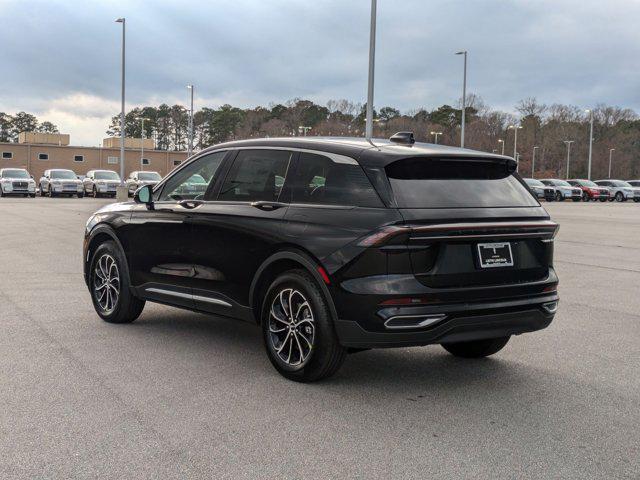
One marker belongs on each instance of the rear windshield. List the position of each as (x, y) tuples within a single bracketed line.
[(449, 183)]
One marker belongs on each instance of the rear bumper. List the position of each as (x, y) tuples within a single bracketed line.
[(462, 322)]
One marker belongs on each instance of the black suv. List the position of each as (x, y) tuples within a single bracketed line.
[(334, 246)]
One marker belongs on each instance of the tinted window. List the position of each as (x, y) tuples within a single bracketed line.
[(440, 183), (192, 181), (149, 176), (634, 183), (321, 180), (256, 175)]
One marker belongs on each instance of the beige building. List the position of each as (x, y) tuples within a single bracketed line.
[(40, 152)]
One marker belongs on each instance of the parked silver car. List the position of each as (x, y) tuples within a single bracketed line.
[(59, 181), (139, 179), (98, 183), (563, 189), (16, 181), (619, 190), (636, 189), (540, 189)]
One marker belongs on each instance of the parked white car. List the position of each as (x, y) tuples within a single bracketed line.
[(16, 181), (563, 189), (139, 179), (619, 190), (636, 189), (59, 181), (98, 183)]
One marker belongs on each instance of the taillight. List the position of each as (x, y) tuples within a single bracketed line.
[(381, 236)]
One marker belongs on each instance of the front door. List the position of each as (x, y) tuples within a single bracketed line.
[(162, 256)]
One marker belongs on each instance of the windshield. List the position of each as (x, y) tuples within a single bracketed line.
[(15, 174), (107, 176), (443, 183), (534, 183), (587, 183), (560, 183), (620, 183), (63, 174), (149, 176)]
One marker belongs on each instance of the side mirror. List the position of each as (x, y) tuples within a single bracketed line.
[(144, 195)]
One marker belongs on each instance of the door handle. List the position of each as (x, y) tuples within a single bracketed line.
[(268, 206), (190, 204)]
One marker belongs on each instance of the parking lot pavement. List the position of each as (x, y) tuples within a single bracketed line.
[(182, 395)]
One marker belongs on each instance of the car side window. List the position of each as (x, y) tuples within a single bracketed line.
[(192, 181), (256, 175), (321, 180)]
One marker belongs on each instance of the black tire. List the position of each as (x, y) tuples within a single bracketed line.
[(80, 195), (585, 197), (559, 197), (579, 199), (620, 197), (94, 192), (2, 194), (636, 200), (603, 199), (476, 348), (325, 355), (32, 195), (126, 307)]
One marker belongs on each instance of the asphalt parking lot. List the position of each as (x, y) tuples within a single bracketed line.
[(182, 395)]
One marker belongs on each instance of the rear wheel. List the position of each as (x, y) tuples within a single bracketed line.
[(109, 286), (476, 348), (298, 330), (619, 197)]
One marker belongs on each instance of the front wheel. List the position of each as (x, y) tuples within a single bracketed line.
[(298, 330), (559, 197), (110, 288), (476, 348), (585, 197), (619, 197)]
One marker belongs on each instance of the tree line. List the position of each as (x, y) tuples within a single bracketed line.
[(544, 126), (12, 125)]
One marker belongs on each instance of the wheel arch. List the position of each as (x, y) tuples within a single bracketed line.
[(279, 262), (100, 234)]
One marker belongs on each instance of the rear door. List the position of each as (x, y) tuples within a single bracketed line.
[(238, 227)]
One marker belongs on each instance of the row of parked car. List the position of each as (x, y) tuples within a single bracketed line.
[(580, 190), (62, 182)]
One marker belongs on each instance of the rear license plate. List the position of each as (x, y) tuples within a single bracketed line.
[(493, 255)]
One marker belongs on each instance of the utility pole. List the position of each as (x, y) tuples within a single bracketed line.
[(464, 97), (190, 146), (533, 161), (590, 112), (568, 143), (611, 150), (122, 21), (372, 58)]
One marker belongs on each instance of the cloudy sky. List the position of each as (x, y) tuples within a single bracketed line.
[(60, 59)]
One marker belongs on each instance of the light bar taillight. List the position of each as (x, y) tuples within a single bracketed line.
[(381, 236)]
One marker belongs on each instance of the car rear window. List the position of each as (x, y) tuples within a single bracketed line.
[(456, 183)]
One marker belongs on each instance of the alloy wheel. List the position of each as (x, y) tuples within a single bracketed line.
[(291, 327), (106, 283)]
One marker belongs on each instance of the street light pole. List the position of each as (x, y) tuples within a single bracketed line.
[(190, 147), (372, 58), (590, 112), (502, 142), (302, 129), (142, 119), (533, 161), (464, 97), (122, 21), (515, 142), (568, 143), (611, 150), (435, 134)]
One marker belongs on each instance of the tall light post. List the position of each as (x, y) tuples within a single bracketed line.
[(568, 143), (122, 21), (464, 97), (142, 137), (372, 60), (502, 142), (435, 134), (611, 150), (302, 129), (515, 142), (533, 161), (190, 147), (590, 112)]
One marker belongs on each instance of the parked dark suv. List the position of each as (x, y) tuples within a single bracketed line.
[(333, 246)]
